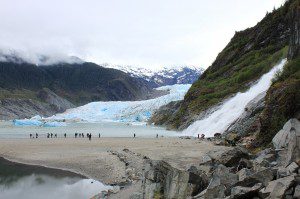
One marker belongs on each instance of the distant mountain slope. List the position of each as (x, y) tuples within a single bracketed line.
[(249, 54), (165, 76), (78, 83)]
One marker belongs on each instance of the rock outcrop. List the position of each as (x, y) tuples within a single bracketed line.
[(288, 141), (163, 180), (233, 174)]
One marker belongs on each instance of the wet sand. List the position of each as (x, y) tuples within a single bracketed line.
[(93, 158)]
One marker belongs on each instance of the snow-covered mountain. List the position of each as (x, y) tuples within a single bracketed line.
[(165, 76)]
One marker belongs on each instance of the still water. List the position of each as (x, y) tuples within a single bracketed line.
[(35, 182), (105, 129)]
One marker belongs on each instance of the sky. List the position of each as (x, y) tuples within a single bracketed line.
[(144, 33)]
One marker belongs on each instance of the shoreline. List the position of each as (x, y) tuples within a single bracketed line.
[(94, 159), (43, 169)]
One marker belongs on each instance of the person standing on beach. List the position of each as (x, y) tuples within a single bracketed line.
[(65, 135), (99, 135), (55, 135), (156, 135), (90, 136), (51, 135), (36, 135), (30, 135), (134, 135)]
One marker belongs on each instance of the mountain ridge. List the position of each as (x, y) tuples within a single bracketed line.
[(180, 74), (78, 84)]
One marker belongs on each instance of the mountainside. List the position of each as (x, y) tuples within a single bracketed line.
[(77, 84), (250, 54), (165, 76)]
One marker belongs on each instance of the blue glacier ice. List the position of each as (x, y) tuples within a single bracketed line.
[(27, 122), (122, 111), (54, 124), (111, 111)]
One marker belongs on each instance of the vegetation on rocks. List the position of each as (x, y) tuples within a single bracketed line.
[(282, 101), (249, 55)]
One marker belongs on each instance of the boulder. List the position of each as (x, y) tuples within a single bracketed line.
[(297, 191), (162, 177), (265, 158), (282, 138), (264, 176), (232, 157), (287, 142), (244, 163), (277, 188), (212, 193), (245, 192), (224, 175), (293, 151), (244, 173), (291, 168), (198, 180)]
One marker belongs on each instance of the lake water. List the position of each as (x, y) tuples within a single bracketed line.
[(35, 182), (106, 129)]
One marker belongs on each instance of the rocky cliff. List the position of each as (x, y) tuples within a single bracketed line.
[(249, 54), (234, 173)]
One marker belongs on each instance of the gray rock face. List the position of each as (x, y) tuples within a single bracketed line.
[(244, 173), (283, 137), (289, 170), (222, 175), (232, 157), (26, 108), (277, 188), (264, 176), (297, 192), (59, 103), (245, 192), (164, 180), (288, 140)]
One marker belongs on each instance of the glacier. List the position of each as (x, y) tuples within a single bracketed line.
[(233, 108), (134, 112), (37, 122), (123, 111)]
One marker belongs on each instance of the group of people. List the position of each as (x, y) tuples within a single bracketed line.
[(202, 136), (51, 135), (80, 135), (88, 135), (32, 135)]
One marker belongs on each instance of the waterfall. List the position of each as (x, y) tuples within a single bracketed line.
[(232, 109)]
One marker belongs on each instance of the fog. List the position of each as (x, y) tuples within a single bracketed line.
[(143, 33)]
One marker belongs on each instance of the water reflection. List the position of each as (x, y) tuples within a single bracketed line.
[(34, 182)]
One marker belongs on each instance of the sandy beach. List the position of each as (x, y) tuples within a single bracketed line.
[(94, 158)]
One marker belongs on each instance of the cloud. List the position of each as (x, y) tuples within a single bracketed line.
[(132, 32)]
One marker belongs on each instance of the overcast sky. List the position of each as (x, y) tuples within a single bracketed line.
[(147, 33)]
